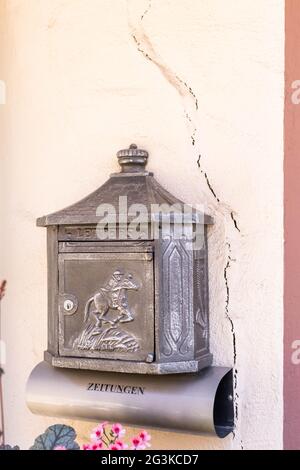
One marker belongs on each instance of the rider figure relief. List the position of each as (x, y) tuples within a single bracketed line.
[(112, 296), (119, 295)]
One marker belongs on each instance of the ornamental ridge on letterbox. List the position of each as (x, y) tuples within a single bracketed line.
[(128, 278)]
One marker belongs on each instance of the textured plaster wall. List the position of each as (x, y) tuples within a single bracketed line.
[(200, 85)]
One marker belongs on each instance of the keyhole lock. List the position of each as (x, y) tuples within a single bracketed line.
[(68, 305)]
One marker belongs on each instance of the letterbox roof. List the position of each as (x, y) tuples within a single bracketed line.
[(138, 185)]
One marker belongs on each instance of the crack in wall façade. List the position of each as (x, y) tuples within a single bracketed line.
[(234, 222), (145, 47), (142, 42), (180, 86), (207, 179), (182, 82), (229, 318), (146, 10)]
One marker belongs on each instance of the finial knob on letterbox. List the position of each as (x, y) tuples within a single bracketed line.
[(133, 159)]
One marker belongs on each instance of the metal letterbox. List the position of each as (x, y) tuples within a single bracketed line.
[(127, 285)]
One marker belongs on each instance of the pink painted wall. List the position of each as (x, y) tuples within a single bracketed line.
[(292, 229)]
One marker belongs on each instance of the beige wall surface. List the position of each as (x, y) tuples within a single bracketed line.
[(182, 79)]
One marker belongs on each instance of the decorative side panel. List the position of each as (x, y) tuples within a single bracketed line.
[(52, 268), (177, 335), (201, 304)]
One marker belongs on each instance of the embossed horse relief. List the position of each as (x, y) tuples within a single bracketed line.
[(97, 336), (112, 296)]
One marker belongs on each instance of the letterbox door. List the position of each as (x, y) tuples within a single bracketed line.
[(106, 305)]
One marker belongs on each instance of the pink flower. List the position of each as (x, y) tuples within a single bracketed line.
[(98, 431), (118, 430), (104, 438), (137, 444), (59, 448), (118, 445), (145, 436), (121, 444), (93, 446), (114, 447)]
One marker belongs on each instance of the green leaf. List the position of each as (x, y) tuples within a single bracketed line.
[(56, 435), (7, 447)]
